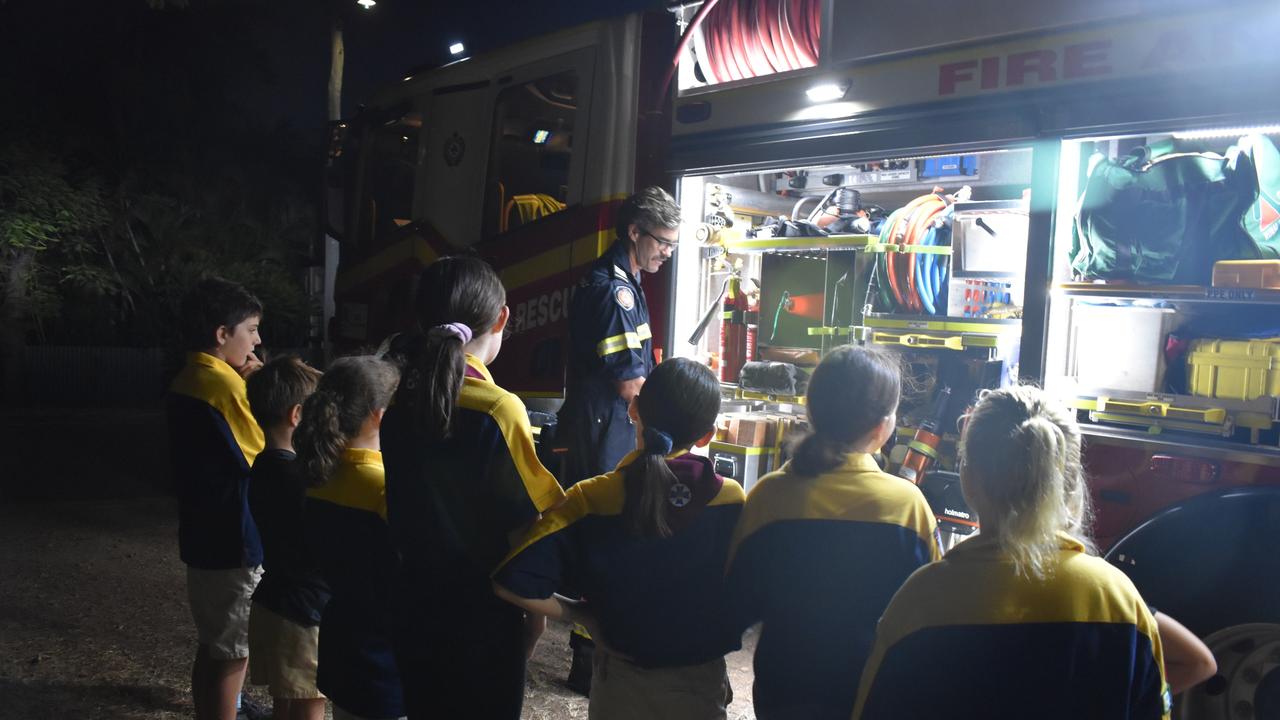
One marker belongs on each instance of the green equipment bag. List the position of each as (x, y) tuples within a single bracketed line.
[(1256, 156), (1162, 217)]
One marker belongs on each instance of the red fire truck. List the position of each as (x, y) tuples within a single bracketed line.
[(791, 131)]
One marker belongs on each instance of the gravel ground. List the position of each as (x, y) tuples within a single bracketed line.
[(94, 621)]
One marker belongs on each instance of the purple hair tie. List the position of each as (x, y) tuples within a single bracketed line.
[(462, 331)]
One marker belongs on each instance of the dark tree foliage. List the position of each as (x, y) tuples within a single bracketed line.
[(134, 158)]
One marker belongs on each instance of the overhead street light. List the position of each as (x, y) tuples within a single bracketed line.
[(367, 4)]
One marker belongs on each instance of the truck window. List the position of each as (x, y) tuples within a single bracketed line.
[(531, 151), (389, 174)]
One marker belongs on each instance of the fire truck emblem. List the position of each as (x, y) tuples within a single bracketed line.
[(626, 299), (454, 148), (679, 495)]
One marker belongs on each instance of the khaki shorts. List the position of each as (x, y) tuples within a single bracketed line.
[(623, 691), (220, 607), (282, 655)]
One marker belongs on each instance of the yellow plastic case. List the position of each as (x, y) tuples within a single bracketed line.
[(1234, 369)]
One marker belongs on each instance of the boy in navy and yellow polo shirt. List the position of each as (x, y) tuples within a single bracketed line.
[(213, 440), (825, 541)]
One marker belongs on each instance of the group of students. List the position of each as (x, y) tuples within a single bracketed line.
[(414, 545)]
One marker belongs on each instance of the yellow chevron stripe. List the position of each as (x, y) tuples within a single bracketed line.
[(556, 260)]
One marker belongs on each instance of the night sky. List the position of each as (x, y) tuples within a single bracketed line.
[(263, 62)]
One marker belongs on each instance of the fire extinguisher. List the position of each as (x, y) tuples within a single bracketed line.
[(753, 325), (733, 332), (922, 451)]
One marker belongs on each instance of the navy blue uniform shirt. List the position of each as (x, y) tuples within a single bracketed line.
[(610, 341)]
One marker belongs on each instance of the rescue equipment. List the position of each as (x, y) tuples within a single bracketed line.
[(922, 451), (733, 332), (1162, 216), (806, 306), (1234, 369), (956, 520), (908, 275)]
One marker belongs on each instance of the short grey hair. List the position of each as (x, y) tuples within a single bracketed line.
[(649, 208)]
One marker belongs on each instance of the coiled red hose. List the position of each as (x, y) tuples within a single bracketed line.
[(750, 38)]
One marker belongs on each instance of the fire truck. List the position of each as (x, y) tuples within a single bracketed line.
[(905, 176)]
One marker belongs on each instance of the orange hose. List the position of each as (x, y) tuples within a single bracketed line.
[(895, 234)]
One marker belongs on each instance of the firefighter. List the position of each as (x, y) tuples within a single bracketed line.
[(611, 353)]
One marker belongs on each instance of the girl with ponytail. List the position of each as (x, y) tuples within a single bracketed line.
[(646, 545), (826, 540), (1043, 626), (339, 457), (463, 478)]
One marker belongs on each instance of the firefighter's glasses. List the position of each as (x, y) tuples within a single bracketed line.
[(670, 244)]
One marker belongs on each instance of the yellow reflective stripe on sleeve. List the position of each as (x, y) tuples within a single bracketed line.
[(618, 343)]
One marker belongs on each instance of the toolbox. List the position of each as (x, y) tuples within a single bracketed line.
[(1234, 369)]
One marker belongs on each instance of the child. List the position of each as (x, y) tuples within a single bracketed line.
[(826, 540), (285, 618), (339, 457), (463, 477), (646, 544), (1019, 620), (213, 440)]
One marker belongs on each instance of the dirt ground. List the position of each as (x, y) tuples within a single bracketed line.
[(94, 621)]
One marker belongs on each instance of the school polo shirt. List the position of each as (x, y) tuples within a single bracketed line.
[(213, 439), (453, 504), (817, 558), (347, 529), (968, 638), (291, 584), (659, 601)]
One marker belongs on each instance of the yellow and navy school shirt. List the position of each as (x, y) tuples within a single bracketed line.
[(347, 531), (453, 506), (969, 638), (816, 559), (660, 601), (213, 440)]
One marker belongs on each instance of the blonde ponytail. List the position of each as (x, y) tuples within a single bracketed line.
[(1023, 470)]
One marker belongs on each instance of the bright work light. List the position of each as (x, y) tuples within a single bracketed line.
[(827, 92), (456, 49)]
